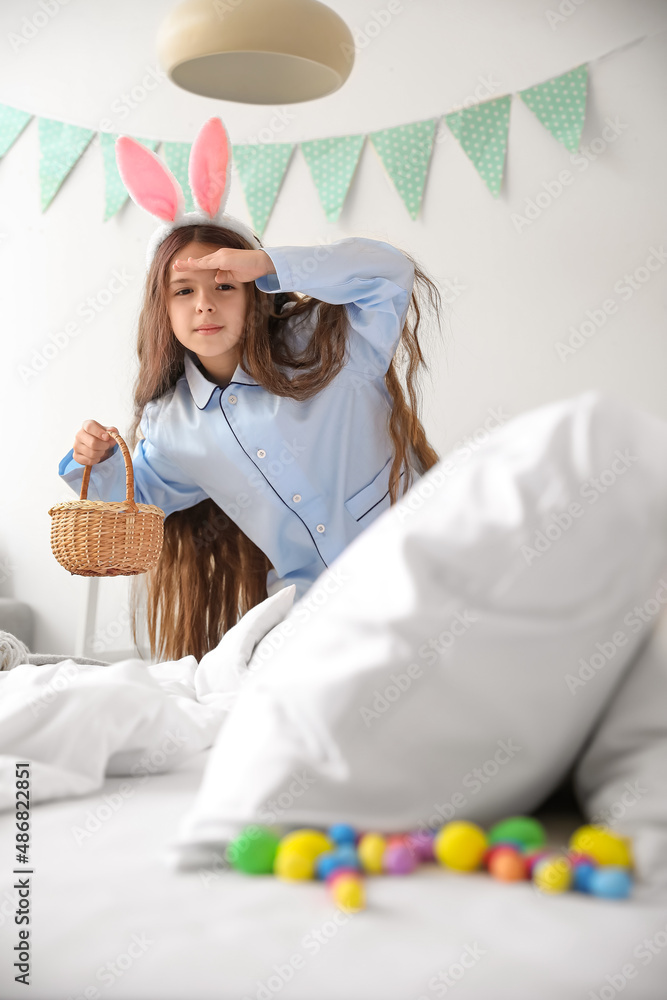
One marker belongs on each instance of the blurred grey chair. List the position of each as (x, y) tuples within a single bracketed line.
[(18, 618)]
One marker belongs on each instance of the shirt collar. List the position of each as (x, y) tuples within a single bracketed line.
[(203, 388)]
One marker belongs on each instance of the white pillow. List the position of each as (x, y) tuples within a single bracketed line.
[(621, 779), (441, 667), (221, 671)]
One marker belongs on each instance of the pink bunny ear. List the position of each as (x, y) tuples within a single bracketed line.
[(149, 181), (210, 166)]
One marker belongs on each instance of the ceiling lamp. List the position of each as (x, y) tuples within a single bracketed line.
[(256, 51)]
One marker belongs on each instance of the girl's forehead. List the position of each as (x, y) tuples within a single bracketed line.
[(193, 249)]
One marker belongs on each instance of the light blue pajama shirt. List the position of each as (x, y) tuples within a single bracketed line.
[(302, 479)]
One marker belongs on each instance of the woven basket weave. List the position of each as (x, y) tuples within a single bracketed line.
[(100, 538)]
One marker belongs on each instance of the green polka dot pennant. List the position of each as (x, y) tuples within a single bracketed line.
[(177, 155), (261, 168), (332, 163), (60, 147), (115, 192), (560, 104), (405, 152), (12, 123), (482, 132), (454, 124)]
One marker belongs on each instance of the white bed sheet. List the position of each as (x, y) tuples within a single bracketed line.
[(221, 935)]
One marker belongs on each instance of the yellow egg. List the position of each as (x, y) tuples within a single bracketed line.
[(348, 892), (312, 842), (553, 874), (605, 847), (297, 853), (293, 865), (371, 849), (460, 845)]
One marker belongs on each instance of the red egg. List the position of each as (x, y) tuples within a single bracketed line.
[(397, 838)]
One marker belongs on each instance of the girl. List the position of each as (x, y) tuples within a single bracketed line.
[(274, 424)]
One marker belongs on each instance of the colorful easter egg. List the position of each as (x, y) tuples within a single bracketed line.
[(605, 847), (553, 874), (254, 850), (421, 843), (343, 857), (348, 892), (460, 845), (525, 831), (399, 859), (298, 852), (342, 833), (507, 864), (370, 850), (610, 882)]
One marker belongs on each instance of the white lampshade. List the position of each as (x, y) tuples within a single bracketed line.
[(256, 51)]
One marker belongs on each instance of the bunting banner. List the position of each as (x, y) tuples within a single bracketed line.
[(482, 132), (404, 151), (261, 168), (560, 104), (12, 123), (60, 147), (332, 163)]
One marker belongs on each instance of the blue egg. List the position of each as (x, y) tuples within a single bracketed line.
[(342, 833), (610, 882), (342, 857), (582, 876), (349, 852)]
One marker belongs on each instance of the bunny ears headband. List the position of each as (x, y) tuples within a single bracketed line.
[(153, 187)]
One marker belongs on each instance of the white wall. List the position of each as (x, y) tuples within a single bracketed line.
[(519, 292)]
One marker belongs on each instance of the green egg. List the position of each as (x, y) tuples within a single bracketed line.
[(253, 851), (527, 830)]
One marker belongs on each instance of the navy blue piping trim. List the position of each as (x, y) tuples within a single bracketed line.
[(233, 382), (272, 487), (378, 501)]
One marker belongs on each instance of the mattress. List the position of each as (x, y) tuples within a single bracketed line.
[(111, 918)]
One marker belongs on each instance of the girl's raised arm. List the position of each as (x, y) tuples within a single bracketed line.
[(372, 278)]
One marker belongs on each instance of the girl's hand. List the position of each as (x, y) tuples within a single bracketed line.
[(92, 444), (230, 264)]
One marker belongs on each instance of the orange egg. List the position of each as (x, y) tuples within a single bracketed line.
[(508, 865)]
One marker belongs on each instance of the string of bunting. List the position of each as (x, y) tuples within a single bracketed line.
[(481, 130)]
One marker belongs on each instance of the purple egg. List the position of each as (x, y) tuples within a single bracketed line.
[(421, 843), (399, 860)]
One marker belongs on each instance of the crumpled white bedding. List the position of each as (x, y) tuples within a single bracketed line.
[(452, 663), (78, 723)]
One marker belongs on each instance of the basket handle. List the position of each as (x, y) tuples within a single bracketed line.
[(129, 476)]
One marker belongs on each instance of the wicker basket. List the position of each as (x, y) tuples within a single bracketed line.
[(100, 538)]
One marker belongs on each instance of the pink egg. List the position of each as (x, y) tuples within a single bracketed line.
[(332, 876), (578, 858)]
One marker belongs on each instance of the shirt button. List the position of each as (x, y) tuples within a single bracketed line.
[(231, 399), (261, 453), (320, 528), (296, 497)]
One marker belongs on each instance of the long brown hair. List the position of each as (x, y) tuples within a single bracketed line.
[(210, 573)]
